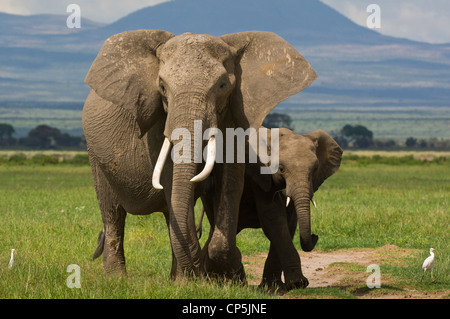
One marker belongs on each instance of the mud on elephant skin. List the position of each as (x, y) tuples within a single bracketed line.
[(145, 84), (305, 161)]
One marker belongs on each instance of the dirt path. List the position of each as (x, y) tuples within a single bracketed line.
[(345, 268), (315, 265)]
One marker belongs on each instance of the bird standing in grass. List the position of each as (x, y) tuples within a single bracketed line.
[(428, 264), (12, 263)]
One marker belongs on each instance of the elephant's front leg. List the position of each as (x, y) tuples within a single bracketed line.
[(277, 226), (223, 258)]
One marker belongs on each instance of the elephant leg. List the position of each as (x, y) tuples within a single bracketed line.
[(283, 257), (222, 258), (113, 217), (173, 269), (208, 209), (272, 271)]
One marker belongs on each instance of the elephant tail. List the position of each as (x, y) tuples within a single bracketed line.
[(100, 245)]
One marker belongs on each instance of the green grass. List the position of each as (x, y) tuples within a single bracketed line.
[(50, 215), (374, 205)]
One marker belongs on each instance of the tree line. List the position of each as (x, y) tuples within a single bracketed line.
[(360, 137), (41, 137), (348, 137)]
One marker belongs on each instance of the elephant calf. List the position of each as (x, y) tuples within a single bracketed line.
[(305, 161)]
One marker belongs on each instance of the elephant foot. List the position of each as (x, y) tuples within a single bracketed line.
[(114, 261), (218, 272), (276, 287), (299, 283), (115, 268), (224, 269)]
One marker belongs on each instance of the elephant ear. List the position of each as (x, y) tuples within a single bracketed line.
[(264, 181), (254, 170), (329, 154), (125, 70), (268, 71)]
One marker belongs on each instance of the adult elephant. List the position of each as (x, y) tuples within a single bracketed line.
[(305, 162), (147, 87)]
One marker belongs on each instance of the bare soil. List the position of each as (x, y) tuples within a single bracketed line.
[(347, 268)]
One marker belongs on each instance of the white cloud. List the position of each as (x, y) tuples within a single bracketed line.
[(13, 7), (413, 19), (101, 10)]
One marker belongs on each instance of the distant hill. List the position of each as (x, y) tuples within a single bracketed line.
[(305, 22), (39, 24), (38, 31), (42, 60)]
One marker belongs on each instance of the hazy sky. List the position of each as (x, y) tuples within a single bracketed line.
[(414, 19)]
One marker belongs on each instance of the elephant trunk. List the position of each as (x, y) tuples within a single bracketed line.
[(301, 198), (183, 237), (186, 137)]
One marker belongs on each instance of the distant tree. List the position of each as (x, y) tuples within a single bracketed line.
[(68, 140), (357, 130), (274, 120), (6, 132), (43, 136), (339, 138), (422, 143), (357, 136), (47, 137), (385, 143), (411, 142)]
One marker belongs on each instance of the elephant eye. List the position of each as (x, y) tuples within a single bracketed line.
[(162, 88), (281, 168), (223, 85)]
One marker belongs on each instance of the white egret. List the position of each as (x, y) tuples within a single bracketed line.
[(12, 263), (428, 264)]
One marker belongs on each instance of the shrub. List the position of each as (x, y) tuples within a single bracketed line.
[(19, 159), (79, 159), (41, 159)]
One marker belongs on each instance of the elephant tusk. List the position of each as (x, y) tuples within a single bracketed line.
[(165, 150), (210, 159), (288, 200), (314, 202)]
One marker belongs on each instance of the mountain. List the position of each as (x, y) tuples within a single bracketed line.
[(42, 60), (39, 24), (301, 22), (304, 22), (37, 31)]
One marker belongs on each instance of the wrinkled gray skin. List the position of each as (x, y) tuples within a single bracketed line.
[(147, 83), (305, 161)]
